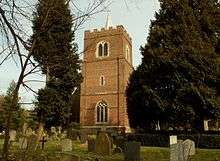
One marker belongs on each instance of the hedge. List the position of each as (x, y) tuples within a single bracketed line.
[(210, 141)]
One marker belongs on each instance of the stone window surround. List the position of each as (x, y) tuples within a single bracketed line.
[(96, 108), (102, 80), (97, 49)]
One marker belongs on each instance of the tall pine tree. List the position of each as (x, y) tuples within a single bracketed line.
[(178, 80), (57, 55)]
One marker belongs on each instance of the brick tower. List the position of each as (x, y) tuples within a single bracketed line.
[(107, 65)]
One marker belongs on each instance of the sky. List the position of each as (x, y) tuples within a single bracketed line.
[(134, 15)]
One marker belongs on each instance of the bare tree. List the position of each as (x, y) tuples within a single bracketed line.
[(14, 44)]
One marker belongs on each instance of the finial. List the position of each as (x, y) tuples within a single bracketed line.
[(108, 21)]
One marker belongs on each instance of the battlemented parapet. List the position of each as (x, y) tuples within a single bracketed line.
[(89, 34)]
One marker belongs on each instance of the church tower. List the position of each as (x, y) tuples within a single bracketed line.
[(107, 65)]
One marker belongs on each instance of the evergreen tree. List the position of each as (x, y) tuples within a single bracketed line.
[(56, 54), (178, 80), (18, 117)]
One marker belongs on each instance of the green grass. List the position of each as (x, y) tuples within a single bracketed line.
[(53, 149)]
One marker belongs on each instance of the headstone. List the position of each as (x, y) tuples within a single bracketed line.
[(54, 133), (12, 135), (66, 145), (120, 142), (206, 125), (83, 138), (173, 139), (24, 128), (188, 148), (103, 144), (22, 143), (59, 129), (132, 151), (91, 145), (29, 132), (32, 142)]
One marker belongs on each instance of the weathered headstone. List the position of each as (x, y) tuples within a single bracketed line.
[(91, 145), (103, 144), (12, 134), (66, 145), (22, 143), (120, 141), (83, 138), (132, 151), (29, 132), (174, 148), (59, 129), (173, 139), (188, 148), (32, 142), (54, 134)]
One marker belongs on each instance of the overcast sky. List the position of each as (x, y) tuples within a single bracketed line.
[(134, 15)]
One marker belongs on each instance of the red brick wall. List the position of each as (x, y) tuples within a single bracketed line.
[(115, 68)]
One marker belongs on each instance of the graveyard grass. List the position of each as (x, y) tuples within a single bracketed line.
[(147, 153)]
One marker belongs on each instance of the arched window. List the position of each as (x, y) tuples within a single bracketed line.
[(102, 112), (102, 81), (102, 49), (105, 49)]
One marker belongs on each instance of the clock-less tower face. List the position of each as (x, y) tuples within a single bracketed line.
[(107, 65)]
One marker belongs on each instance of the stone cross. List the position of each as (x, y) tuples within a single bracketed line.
[(43, 141)]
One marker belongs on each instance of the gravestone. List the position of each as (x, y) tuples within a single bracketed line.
[(173, 139), (29, 132), (12, 134), (24, 128), (66, 145), (188, 148), (83, 138), (32, 142), (22, 142), (119, 141), (91, 145), (54, 133), (132, 151), (174, 148), (103, 144)]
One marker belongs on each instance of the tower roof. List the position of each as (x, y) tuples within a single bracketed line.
[(108, 21)]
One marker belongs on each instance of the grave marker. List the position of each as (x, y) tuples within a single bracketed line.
[(132, 151), (103, 144)]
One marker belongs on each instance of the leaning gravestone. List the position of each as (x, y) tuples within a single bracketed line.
[(188, 149), (132, 151), (66, 145), (91, 145), (103, 144)]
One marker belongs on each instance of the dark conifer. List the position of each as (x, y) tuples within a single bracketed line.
[(178, 80), (56, 53)]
